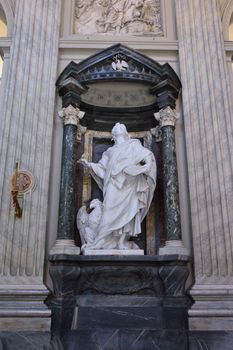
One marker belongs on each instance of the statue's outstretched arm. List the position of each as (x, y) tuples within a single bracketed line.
[(96, 169), (84, 162)]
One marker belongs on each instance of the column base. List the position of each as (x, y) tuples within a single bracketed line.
[(174, 247), (213, 308), (23, 308), (65, 246)]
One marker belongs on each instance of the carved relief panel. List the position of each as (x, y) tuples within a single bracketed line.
[(118, 17)]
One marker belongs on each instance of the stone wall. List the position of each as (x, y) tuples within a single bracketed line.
[(207, 105), (26, 137)]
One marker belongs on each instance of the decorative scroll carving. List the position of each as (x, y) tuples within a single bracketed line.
[(167, 117), (134, 280), (71, 115), (157, 132), (118, 17)]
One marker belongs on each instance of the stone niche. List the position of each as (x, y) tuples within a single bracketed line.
[(118, 302), (112, 17)]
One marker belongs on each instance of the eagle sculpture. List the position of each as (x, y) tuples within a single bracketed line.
[(88, 223)]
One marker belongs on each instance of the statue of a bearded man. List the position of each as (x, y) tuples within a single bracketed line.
[(126, 174)]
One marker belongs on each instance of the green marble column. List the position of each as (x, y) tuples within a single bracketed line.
[(170, 183), (174, 245), (66, 203), (65, 237)]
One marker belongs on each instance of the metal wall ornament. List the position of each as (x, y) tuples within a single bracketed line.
[(22, 182)]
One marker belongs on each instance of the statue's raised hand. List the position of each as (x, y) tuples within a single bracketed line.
[(84, 161)]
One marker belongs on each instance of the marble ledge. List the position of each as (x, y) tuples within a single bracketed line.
[(23, 324), (228, 46), (113, 252), (17, 291), (211, 290), (5, 42), (101, 42), (118, 258), (116, 300), (33, 312), (210, 324)]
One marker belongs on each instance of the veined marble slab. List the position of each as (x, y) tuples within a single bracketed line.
[(113, 252)]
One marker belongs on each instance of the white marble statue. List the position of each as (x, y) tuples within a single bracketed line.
[(126, 174), (88, 222)]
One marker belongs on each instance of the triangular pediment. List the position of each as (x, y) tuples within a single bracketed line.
[(120, 63)]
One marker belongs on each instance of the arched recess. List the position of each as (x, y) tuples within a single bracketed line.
[(3, 23), (227, 24), (230, 29), (3, 33), (6, 28), (226, 16), (118, 84), (8, 9), (99, 70)]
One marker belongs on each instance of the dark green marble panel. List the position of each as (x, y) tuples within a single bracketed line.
[(170, 180), (66, 204)]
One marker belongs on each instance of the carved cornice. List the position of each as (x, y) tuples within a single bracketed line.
[(139, 68), (167, 117), (71, 115)]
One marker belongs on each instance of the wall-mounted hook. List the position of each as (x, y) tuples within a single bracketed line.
[(15, 192), (18, 210)]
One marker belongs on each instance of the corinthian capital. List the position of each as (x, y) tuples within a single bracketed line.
[(71, 115), (167, 117)]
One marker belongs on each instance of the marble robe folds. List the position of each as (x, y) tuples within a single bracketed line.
[(126, 174)]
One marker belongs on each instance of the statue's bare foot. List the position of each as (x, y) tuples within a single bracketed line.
[(98, 245), (110, 245), (123, 243), (133, 245)]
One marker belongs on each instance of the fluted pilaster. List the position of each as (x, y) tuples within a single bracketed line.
[(208, 128), (26, 136)]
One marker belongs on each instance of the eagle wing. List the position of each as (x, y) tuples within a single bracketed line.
[(82, 222)]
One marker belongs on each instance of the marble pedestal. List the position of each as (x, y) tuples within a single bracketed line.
[(113, 252), (120, 302)]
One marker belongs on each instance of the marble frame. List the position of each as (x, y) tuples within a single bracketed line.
[(150, 248)]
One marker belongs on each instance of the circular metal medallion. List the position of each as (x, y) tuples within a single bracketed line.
[(22, 181)]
